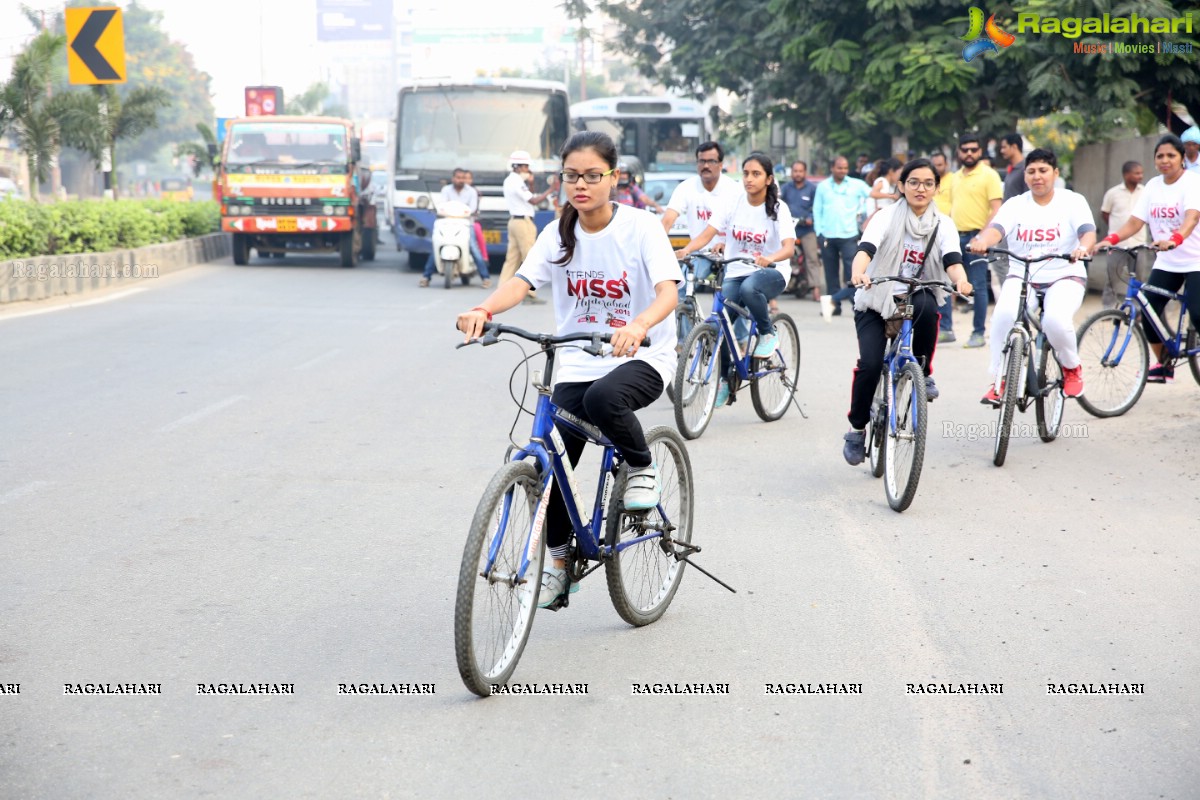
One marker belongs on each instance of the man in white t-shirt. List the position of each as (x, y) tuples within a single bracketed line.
[(522, 205), (1191, 149), (697, 199), (1115, 208), (1041, 221)]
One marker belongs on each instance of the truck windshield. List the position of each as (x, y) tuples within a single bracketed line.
[(287, 143), (442, 128)]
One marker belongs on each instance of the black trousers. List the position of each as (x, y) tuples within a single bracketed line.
[(608, 403), (1171, 281), (872, 341)]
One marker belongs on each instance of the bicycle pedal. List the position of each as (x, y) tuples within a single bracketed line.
[(562, 601)]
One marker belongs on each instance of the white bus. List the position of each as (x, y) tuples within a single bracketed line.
[(662, 132), (475, 125)]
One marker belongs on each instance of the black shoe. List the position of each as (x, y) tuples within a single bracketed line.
[(837, 310), (855, 448)]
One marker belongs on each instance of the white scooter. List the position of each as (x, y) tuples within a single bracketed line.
[(452, 232)]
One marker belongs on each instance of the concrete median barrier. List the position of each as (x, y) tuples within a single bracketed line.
[(41, 277)]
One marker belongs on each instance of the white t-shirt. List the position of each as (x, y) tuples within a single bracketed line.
[(517, 196), (1162, 208), (468, 196), (750, 232), (1191, 166), (1034, 230), (914, 247), (608, 282), (882, 185), (1119, 203), (696, 205)]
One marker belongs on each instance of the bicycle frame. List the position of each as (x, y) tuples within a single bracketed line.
[(894, 359), (546, 446), (1137, 305), (725, 336)]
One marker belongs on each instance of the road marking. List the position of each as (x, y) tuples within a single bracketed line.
[(319, 359), (21, 491), (81, 304), (202, 413)]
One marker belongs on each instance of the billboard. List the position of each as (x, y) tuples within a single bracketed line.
[(354, 20)]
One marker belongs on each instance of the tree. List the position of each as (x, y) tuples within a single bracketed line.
[(313, 101), (851, 73), (26, 110), (198, 152), (95, 121)]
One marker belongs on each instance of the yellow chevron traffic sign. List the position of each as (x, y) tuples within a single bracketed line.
[(95, 45)]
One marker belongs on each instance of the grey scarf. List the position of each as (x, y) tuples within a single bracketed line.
[(879, 298)]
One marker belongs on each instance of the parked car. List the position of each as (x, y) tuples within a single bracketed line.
[(660, 186)]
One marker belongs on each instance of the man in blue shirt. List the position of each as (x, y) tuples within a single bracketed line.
[(838, 202), (799, 196)]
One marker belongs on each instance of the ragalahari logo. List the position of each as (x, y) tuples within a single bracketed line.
[(982, 38)]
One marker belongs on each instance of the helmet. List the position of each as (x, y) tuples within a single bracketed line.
[(624, 169), (519, 157), (1192, 134)]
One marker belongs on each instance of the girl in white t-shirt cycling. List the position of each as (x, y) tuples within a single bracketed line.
[(884, 190), (1170, 203), (757, 225), (1042, 220), (610, 269)]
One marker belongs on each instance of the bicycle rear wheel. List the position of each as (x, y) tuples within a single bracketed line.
[(687, 317), (877, 427), (493, 615), (643, 577), (772, 394), (1050, 405), (1114, 383), (1014, 367), (904, 454), (696, 378)]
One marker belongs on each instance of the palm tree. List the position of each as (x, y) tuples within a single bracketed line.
[(95, 121), (199, 151), (26, 110)]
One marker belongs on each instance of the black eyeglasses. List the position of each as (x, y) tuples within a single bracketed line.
[(708, 161), (970, 149), (588, 177)]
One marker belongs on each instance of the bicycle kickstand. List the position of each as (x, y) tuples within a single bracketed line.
[(687, 549)]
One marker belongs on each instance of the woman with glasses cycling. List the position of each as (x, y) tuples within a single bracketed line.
[(912, 239), (1170, 203), (759, 227), (610, 269)]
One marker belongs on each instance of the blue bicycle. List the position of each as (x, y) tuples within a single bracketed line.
[(643, 553), (897, 429), (1116, 373), (772, 380)]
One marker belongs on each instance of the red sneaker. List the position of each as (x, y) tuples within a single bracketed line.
[(1073, 381), (992, 398)]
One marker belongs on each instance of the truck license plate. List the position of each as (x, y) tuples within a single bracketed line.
[(491, 237)]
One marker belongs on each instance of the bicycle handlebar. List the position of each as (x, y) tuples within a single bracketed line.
[(916, 284), (720, 262), (1064, 256), (1133, 250), (493, 330)]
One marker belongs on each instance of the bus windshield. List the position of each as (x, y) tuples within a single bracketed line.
[(475, 128), (287, 143)]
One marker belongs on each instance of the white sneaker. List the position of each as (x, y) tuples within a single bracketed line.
[(827, 307), (641, 488), (554, 583)]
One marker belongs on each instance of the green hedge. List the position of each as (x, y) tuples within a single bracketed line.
[(97, 226)]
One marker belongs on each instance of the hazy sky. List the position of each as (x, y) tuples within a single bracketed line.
[(224, 36)]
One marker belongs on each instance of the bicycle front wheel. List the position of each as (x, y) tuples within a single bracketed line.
[(772, 393), (904, 453), (493, 612), (1193, 342), (644, 576), (1051, 400), (696, 378), (877, 427), (1014, 367), (1115, 362)]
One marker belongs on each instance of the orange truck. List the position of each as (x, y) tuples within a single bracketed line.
[(294, 185)]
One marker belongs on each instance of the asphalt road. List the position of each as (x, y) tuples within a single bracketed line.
[(264, 475)]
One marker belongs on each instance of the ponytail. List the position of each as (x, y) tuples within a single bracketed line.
[(566, 235)]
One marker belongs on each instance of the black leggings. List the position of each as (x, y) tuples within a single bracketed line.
[(872, 341), (1171, 281), (608, 403)]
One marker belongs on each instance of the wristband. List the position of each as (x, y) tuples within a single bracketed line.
[(484, 310), (1111, 238), (1176, 238)]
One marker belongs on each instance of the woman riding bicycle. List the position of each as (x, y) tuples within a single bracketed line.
[(610, 270), (1042, 220), (1171, 204), (760, 227), (910, 238)]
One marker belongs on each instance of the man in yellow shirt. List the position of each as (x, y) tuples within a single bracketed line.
[(942, 198), (976, 192)]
